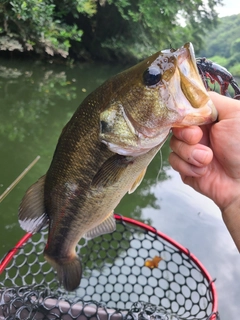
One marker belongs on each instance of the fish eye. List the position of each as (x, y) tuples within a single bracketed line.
[(152, 76)]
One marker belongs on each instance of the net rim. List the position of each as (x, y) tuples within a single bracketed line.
[(8, 257)]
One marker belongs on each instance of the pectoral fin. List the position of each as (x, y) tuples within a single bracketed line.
[(107, 226), (138, 181), (31, 214), (111, 171)]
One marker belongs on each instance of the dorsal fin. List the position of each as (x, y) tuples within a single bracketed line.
[(31, 214)]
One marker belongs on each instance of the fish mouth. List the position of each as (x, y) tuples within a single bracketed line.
[(195, 104), (184, 95), (178, 99)]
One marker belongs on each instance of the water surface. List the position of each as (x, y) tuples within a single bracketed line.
[(36, 100)]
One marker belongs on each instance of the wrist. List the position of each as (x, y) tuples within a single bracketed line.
[(231, 218)]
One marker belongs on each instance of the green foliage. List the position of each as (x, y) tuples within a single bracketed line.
[(35, 25), (140, 27), (235, 47), (104, 29), (220, 60), (86, 7), (222, 45), (221, 40), (235, 70)]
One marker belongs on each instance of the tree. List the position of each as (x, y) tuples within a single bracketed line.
[(137, 28), (35, 25), (222, 45), (223, 40), (104, 29)]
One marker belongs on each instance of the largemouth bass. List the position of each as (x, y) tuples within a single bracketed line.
[(105, 148)]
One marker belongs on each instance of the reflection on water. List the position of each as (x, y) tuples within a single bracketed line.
[(33, 95), (36, 101)]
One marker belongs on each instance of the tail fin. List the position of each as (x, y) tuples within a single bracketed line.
[(69, 271)]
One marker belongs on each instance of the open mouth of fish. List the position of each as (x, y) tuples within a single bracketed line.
[(178, 99), (194, 104)]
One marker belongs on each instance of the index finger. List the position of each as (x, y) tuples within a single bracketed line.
[(190, 135)]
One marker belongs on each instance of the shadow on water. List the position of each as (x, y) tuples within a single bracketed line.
[(36, 101)]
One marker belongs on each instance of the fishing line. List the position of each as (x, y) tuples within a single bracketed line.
[(161, 165)]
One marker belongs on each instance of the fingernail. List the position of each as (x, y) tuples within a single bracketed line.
[(200, 155)]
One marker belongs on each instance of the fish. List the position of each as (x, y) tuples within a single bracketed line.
[(104, 150)]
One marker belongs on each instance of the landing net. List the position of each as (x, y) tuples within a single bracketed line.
[(134, 273)]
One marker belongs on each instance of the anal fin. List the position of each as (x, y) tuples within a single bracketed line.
[(31, 214), (107, 226)]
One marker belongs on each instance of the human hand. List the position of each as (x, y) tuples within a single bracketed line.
[(208, 159)]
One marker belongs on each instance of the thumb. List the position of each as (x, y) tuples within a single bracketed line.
[(227, 107)]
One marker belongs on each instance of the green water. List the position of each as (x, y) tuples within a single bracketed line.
[(36, 101)]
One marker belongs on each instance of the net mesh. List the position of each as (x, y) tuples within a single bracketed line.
[(116, 282)]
